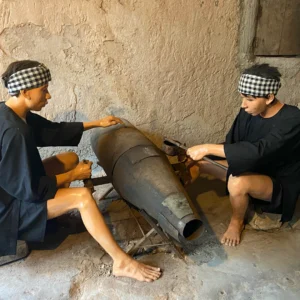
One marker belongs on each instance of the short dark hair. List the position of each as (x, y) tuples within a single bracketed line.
[(17, 66), (263, 70)]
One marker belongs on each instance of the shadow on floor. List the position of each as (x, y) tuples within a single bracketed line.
[(206, 249)]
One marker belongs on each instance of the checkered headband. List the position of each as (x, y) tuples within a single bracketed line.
[(257, 86), (28, 79)]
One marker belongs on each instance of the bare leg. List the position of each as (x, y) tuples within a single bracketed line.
[(257, 186), (60, 163), (81, 199)]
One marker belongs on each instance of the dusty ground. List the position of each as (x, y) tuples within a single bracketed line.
[(265, 266)]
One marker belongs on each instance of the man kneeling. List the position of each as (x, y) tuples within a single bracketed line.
[(262, 152)]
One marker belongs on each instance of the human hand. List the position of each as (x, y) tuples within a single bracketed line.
[(197, 152), (82, 170), (109, 121)]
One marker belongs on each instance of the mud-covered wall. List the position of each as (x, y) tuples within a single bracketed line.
[(289, 66), (169, 67)]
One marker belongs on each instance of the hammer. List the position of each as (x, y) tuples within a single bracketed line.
[(172, 142)]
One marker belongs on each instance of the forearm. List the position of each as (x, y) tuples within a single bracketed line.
[(199, 151), (105, 122), (215, 149), (63, 178), (90, 125)]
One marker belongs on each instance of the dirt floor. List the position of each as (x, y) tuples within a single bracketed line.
[(265, 266)]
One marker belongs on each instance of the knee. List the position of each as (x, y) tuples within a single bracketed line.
[(238, 185), (84, 198)]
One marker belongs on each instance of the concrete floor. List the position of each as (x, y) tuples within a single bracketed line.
[(265, 266)]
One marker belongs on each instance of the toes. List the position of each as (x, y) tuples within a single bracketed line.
[(223, 240), (149, 273), (152, 276), (230, 241), (236, 241), (153, 273), (138, 271), (152, 268), (233, 242), (158, 274)]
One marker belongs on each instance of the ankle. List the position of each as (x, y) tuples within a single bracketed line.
[(121, 260), (237, 221)]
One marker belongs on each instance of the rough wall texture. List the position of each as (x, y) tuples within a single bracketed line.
[(288, 66), (170, 67)]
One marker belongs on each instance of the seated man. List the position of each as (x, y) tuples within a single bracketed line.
[(33, 191), (262, 152)]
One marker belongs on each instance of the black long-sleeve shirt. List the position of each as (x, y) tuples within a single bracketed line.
[(22, 174), (269, 146)]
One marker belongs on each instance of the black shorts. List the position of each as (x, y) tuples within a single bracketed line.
[(32, 221), (33, 217), (273, 206)]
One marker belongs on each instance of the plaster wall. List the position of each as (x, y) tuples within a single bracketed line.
[(169, 67), (288, 66)]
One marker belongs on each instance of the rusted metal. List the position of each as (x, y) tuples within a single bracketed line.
[(170, 149), (144, 178), (173, 146)]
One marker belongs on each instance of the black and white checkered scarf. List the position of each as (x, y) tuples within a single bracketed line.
[(28, 79), (257, 86)]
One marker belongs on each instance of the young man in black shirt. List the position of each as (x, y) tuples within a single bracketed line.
[(32, 190), (262, 152)]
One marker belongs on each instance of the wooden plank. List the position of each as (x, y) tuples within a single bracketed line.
[(248, 26), (290, 37), (278, 28), (269, 27)]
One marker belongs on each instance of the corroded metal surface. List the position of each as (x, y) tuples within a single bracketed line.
[(143, 176)]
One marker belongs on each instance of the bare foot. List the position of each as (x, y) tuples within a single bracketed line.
[(134, 269), (232, 236)]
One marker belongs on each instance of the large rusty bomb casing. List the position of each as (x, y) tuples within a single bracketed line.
[(143, 176)]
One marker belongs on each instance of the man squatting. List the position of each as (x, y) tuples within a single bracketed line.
[(262, 152), (33, 191)]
